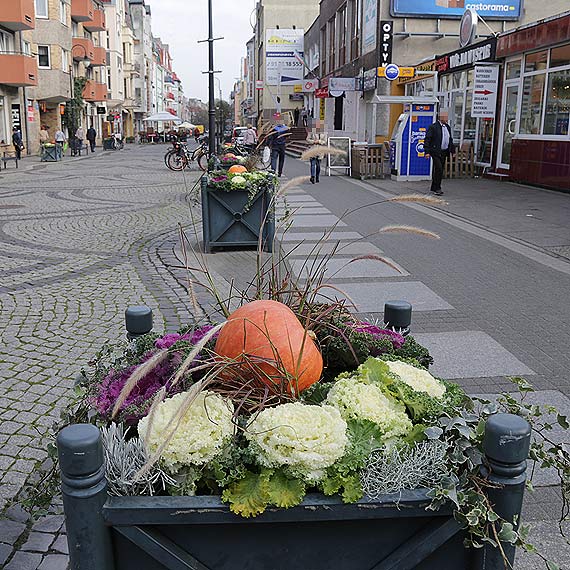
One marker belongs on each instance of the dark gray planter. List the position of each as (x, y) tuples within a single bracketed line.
[(51, 153), (108, 144), (200, 533), (226, 224)]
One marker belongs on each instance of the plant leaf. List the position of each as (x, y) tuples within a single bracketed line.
[(285, 491), (249, 496)]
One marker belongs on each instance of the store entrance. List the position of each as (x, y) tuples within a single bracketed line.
[(508, 125)]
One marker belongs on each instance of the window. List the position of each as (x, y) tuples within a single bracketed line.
[(43, 57), (6, 42), (109, 79), (63, 12), (75, 29), (513, 69), (557, 110), (27, 48), (536, 61), (42, 9), (332, 45), (355, 26), (64, 59), (560, 56), (3, 127), (341, 26), (531, 108), (324, 70)]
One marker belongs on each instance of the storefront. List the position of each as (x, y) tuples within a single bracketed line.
[(534, 138), (456, 89)]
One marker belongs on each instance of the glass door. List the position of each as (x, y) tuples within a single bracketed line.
[(509, 125)]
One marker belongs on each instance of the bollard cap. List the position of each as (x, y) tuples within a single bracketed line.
[(80, 450), (398, 314), (507, 438), (138, 319)]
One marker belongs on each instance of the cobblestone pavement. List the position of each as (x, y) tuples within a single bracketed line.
[(78, 243), (81, 241)]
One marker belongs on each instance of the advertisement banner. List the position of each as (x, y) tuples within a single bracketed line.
[(495, 9), (342, 84), (370, 24), (284, 56), (387, 38), (369, 80)]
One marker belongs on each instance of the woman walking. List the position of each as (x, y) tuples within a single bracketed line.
[(317, 138)]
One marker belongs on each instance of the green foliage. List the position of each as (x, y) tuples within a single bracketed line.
[(74, 107), (413, 349)]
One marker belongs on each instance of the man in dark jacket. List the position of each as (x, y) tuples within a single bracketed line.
[(439, 145), (91, 137), (17, 142), (276, 142)]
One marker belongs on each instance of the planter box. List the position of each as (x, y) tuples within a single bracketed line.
[(108, 144), (51, 153), (395, 532), (226, 224)]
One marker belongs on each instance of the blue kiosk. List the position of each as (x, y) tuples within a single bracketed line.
[(407, 155)]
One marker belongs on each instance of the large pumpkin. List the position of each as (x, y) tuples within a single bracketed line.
[(269, 334), (237, 169)]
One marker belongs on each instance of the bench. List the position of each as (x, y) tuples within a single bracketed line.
[(7, 156)]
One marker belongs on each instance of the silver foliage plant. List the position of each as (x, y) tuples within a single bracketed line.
[(395, 468), (124, 459)]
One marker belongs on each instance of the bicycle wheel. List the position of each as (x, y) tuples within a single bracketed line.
[(203, 161), (176, 161)]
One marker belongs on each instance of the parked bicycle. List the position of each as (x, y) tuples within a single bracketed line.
[(180, 157), (118, 143)]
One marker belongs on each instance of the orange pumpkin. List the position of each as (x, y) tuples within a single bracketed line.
[(237, 169), (270, 331)]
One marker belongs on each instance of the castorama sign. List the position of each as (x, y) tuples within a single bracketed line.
[(492, 9)]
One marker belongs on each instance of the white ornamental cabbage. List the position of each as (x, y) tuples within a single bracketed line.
[(238, 181), (204, 429), (418, 379), (362, 401), (306, 438)]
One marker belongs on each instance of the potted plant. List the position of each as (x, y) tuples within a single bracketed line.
[(237, 208)]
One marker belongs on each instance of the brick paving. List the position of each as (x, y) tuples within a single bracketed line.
[(81, 240)]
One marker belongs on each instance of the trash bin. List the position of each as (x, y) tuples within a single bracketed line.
[(51, 153)]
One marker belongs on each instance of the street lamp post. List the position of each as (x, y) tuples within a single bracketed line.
[(221, 129), (211, 99)]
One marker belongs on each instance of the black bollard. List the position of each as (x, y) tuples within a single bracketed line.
[(84, 490), (398, 316), (138, 321), (506, 444)]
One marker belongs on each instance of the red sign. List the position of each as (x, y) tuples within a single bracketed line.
[(322, 93)]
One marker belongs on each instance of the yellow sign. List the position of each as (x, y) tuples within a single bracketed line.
[(428, 66), (322, 109), (404, 72), (298, 88)]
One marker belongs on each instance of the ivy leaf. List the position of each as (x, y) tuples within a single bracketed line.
[(284, 491), (563, 421), (507, 533), (249, 496)]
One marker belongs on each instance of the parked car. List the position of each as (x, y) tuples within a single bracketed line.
[(238, 134)]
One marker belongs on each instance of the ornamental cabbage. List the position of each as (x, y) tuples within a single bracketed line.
[(200, 435), (418, 379), (359, 400), (308, 439), (238, 180)]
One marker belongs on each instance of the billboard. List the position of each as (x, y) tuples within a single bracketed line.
[(370, 16), (493, 9), (284, 54)]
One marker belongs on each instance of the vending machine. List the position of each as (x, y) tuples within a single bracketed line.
[(407, 155)]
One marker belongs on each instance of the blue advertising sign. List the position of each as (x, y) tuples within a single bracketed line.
[(492, 9)]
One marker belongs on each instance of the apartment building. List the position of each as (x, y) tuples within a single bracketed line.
[(18, 70)]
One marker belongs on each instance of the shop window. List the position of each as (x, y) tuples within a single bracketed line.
[(457, 80), (560, 56), (513, 69), (536, 61), (531, 108), (557, 110), (470, 126), (456, 116), (470, 74), (3, 127), (43, 56)]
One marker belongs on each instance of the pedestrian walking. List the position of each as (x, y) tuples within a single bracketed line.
[(79, 138), (60, 140), (439, 145), (277, 142), (44, 137), (91, 137), (249, 137), (17, 142), (317, 138), (296, 114)]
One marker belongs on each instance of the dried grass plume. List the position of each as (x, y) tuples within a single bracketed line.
[(408, 230), (317, 151), (419, 199)]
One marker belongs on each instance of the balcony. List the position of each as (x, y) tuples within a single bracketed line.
[(18, 70), (97, 24), (99, 56), (82, 48), (95, 91), (82, 10), (17, 15)]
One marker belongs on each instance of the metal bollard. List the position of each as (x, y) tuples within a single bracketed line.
[(506, 444), (398, 316), (84, 490), (138, 321)]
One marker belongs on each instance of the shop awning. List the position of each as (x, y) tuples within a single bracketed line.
[(402, 99), (163, 117)]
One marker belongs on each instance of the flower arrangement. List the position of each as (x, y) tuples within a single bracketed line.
[(253, 181)]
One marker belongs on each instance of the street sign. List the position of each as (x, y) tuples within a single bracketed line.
[(298, 88), (342, 84), (392, 72), (485, 86), (259, 84), (322, 93)]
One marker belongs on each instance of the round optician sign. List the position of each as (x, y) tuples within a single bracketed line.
[(392, 72), (468, 27)]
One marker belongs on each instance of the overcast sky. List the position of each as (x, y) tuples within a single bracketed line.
[(181, 23)]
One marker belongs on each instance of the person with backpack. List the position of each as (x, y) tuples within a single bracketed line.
[(277, 142)]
